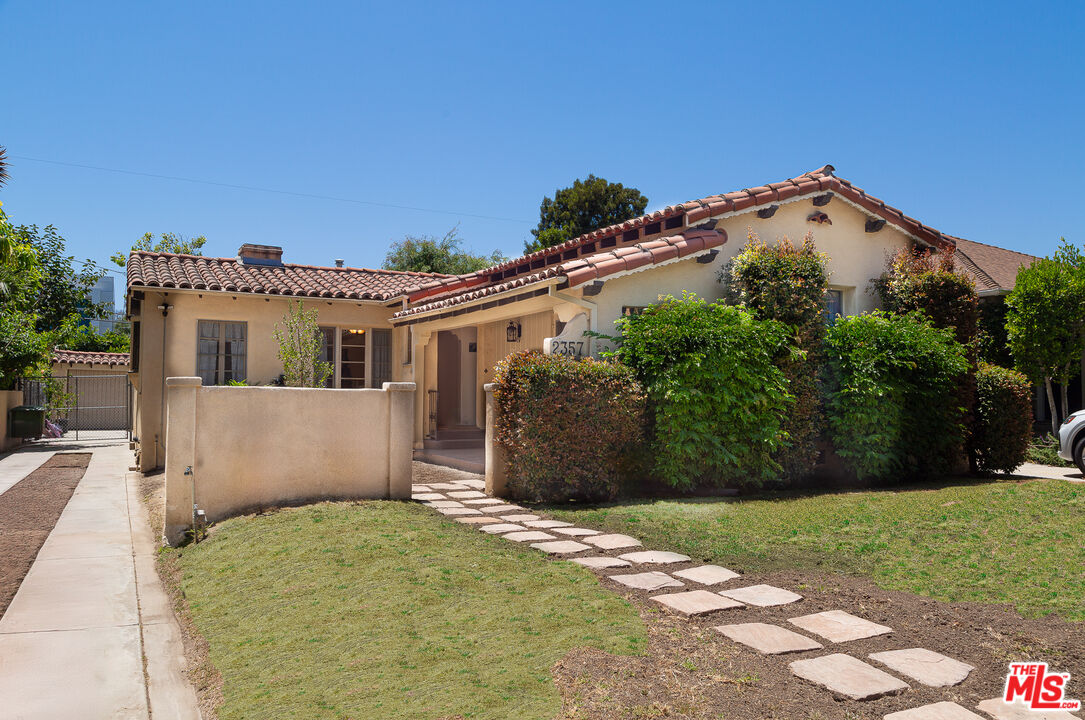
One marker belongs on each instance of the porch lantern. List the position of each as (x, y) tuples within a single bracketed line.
[(513, 331)]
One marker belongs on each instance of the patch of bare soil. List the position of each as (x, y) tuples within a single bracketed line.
[(202, 673), (28, 512), (691, 671)]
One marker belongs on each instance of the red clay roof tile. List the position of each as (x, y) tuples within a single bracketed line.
[(88, 357)]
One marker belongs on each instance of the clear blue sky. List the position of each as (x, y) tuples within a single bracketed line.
[(968, 116)]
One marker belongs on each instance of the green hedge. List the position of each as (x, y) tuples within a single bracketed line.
[(1003, 425), (787, 282), (716, 395), (893, 409), (568, 427)]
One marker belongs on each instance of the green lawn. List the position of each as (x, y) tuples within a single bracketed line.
[(384, 609), (1022, 544)]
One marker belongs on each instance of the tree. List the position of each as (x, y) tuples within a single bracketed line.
[(1045, 322), (64, 283), (425, 253), (300, 348), (584, 206), (166, 242)]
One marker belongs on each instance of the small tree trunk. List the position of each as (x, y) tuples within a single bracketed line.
[(1051, 403), (1064, 387)]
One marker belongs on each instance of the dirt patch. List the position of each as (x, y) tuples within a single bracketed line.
[(28, 512), (692, 671)]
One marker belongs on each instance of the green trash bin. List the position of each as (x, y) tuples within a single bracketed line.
[(26, 421)]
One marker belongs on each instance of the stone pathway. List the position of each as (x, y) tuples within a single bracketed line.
[(707, 589)]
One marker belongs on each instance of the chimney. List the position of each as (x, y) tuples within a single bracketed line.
[(260, 254), (339, 262)]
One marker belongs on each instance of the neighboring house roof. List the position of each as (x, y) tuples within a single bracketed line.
[(171, 270), (994, 269), (88, 357), (591, 267)]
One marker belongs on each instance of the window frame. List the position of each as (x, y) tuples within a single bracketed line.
[(220, 355)]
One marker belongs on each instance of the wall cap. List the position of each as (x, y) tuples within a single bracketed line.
[(184, 382), (489, 387), (398, 386)]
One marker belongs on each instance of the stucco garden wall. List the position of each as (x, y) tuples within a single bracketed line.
[(253, 447)]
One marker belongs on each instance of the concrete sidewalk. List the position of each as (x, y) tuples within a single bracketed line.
[(1051, 472), (17, 464), (90, 634)]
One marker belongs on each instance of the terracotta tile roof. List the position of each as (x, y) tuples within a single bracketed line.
[(993, 268), (674, 217), (170, 270), (592, 267), (85, 357)]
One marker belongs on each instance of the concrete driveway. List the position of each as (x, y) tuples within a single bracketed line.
[(91, 634)]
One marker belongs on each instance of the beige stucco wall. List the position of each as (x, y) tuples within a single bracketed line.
[(252, 447), (8, 400), (854, 258), (177, 356)]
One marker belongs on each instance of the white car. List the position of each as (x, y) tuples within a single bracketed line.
[(1072, 439)]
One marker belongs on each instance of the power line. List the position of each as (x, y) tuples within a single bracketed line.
[(253, 188)]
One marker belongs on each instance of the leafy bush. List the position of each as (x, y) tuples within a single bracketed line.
[(892, 406), (787, 282), (301, 348), (1003, 428), (566, 426), (716, 395), (930, 282), (1044, 450)]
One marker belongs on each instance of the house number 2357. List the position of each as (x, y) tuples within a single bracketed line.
[(573, 348)]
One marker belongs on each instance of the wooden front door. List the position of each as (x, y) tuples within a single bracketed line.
[(448, 379)]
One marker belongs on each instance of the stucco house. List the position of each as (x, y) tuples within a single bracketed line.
[(214, 317)]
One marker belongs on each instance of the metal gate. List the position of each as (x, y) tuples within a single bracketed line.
[(83, 407)]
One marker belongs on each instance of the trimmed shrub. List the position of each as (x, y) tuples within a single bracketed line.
[(566, 426), (1003, 426), (893, 409), (787, 282), (930, 282), (716, 395)]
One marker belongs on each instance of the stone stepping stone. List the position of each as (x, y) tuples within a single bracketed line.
[(707, 574), (547, 523), (654, 580), (519, 518), (768, 639), (575, 531), (477, 520), (601, 562), (457, 511), (420, 488), (560, 547), (935, 711), (465, 494), (925, 666), (528, 536), (476, 484), (696, 602), (428, 496), (444, 504), (848, 677), (501, 528), (481, 501), (654, 557), (999, 710), (448, 486), (500, 509), (612, 542), (762, 595), (839, 626)]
